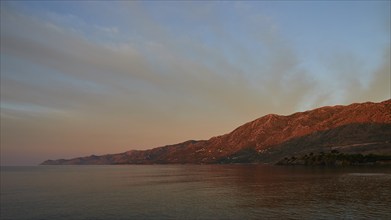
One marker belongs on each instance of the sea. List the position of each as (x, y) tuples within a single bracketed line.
[(245, 191)]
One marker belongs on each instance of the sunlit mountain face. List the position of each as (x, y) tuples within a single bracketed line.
[(356, 128)]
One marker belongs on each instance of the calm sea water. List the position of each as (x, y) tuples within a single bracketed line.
[(194, 192)]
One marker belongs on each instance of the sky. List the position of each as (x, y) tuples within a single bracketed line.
[(97, 77)]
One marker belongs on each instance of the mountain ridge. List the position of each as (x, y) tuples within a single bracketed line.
[(260, 139)]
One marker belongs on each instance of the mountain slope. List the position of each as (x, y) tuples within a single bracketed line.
[(364, 127)]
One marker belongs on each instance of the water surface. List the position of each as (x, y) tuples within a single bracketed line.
[(194, 192)]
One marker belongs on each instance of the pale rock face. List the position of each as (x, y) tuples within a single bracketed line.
[(364, 127)]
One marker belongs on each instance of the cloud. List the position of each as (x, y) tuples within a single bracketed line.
[(115, 67), (379, 88)]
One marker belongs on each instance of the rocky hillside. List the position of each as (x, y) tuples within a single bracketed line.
[(358, 128)]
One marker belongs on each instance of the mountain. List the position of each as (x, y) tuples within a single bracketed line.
[(356, 128)]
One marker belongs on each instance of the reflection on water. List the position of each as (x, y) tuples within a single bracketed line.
[(194, 192)]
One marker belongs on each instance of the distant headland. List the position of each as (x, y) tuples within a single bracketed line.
[(300, 138)]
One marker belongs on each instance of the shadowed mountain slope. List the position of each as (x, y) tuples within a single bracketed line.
[(363, 128)]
